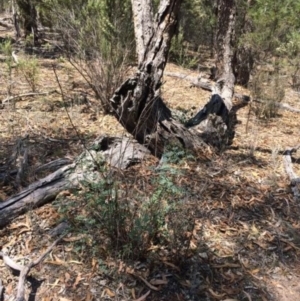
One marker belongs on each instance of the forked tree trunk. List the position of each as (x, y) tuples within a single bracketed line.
[(137, 103), (138, 107)]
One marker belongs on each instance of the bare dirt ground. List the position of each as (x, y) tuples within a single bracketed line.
[(245, 240)]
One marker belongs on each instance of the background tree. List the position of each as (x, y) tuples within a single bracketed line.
[(243, 62), (29, 17), (194, 38)]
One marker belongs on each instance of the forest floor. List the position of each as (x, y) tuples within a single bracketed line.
[(244, 235)]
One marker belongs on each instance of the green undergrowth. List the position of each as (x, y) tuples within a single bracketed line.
[(133, 218)]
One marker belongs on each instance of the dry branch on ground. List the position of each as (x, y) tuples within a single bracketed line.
[(117, 152), (24, 270)]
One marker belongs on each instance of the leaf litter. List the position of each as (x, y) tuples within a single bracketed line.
[(245, 240)]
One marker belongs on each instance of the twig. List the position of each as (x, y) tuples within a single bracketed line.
[(65, 107), (17, 97), (10, 263), (142, 298), (24, 270), (70, 119), (247, 295), (147, 283)]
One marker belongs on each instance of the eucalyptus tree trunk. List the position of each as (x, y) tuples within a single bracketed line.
[(137, 103), (225, 38), (217, 120)]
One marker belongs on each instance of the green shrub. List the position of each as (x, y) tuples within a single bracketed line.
[(6, 49), (268, 90), (30, 70), (98, 39), (179, 52), (127, 224)]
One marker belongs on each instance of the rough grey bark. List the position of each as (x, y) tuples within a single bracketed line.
[(35, 195), (143, 30), (224, 48)]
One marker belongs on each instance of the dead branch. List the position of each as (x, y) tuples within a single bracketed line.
[(53, 165), (35, 195), (205, 85), (295, 180), (24, 270), (280, 105), (3, 24), (117, 152), (195, 81), (287, 107), (20, 96)]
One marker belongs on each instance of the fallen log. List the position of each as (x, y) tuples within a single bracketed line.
[(118, 152), (35, 195), (53, 165)]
